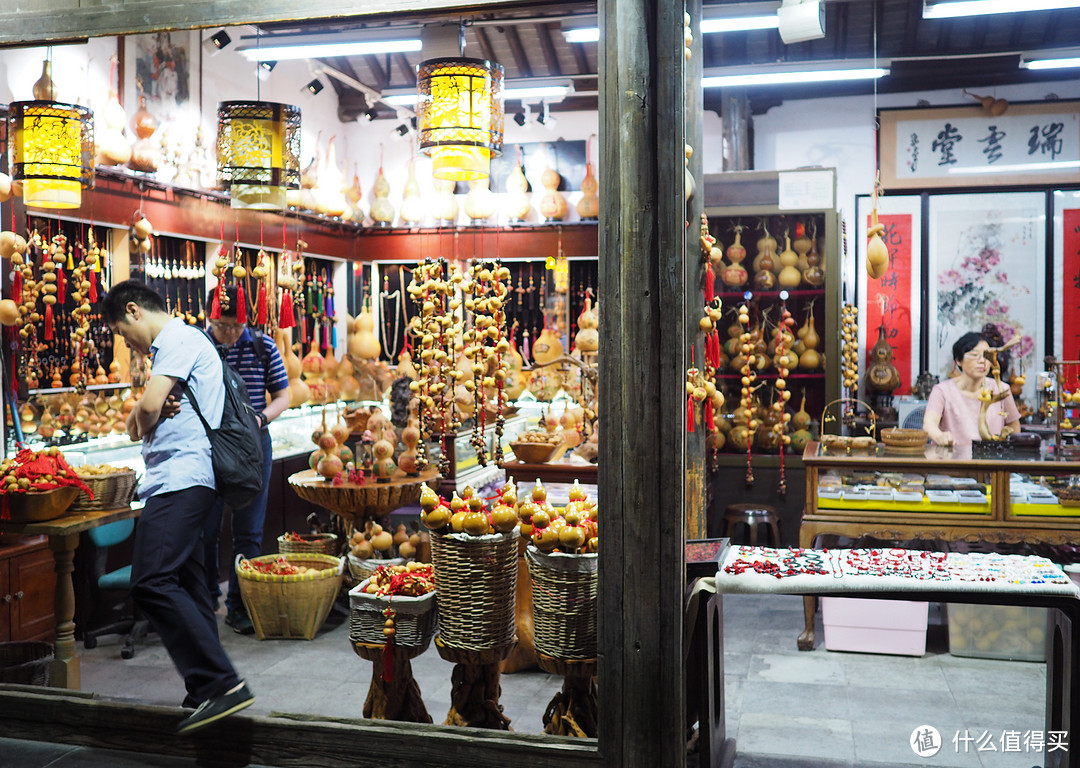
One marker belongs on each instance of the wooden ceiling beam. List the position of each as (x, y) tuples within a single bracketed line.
[(406, 69), (485, 43), (517, 50), (547, 47)]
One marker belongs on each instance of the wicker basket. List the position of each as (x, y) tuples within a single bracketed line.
[(361, 568), (564, 603), (25, 663), (317, 543), (291, 606), (112, 491), (476, 577), (414, 622)]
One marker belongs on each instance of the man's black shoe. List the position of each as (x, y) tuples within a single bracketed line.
[(217, 707), (240, 622)]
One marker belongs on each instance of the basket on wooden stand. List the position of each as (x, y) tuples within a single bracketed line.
[(293, 606), (476, 577), (302, 543), (112, 491), (564, 624)]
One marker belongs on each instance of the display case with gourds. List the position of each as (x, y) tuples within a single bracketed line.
[(775, 262)]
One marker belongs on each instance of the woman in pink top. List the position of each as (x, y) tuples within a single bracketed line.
[(952, 412)]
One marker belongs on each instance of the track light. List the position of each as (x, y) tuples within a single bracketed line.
[(545, 118), (371, 114), (314, 87), (267, 65), (217, 41), (519, 118), (401, 130)]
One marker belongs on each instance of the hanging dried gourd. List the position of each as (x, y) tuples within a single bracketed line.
[(764, 264), (850, 334), (747, 401), (487, 348), (877, 253)]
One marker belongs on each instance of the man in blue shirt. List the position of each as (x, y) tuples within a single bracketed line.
[(257, 360), (168, 578)]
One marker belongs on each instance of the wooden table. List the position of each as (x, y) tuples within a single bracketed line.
[(63, 534), (997, 521), (356, 503)]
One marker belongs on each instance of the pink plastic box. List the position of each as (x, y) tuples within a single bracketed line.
[(875, 626)]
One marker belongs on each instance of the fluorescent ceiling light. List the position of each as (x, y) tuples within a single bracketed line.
[(549, 92), (1019, 167), (949, 10), (1062, 63), (781, 77), (317, 50), (739, 23), (582, 35)]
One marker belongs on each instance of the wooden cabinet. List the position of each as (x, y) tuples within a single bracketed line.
[(27, 589)]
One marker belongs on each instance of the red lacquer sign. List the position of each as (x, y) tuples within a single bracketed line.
[(890, 298), (1070, 285)]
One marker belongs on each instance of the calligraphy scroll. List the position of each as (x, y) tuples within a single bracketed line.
[(1069, 345), (1036, 143)]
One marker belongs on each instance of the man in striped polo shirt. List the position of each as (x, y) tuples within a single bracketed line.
[(256, 358)]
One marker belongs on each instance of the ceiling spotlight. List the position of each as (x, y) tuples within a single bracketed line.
[(401, 130), (371, 114), (267, 65), (545, 117), (314, 87), (522, 116), (217, 41)]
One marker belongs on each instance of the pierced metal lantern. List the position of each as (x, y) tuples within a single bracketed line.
[(52, 152), (460, 110), (258, 151)]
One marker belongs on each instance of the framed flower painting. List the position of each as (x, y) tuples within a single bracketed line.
[(987, 265)]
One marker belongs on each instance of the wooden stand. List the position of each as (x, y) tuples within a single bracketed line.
[(475, 691), (573, 711), (399, 697)]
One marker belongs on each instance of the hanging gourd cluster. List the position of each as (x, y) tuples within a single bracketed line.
[(65, 270), (487, 347)]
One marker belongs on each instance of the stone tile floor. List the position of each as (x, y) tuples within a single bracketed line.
[(785, 709)]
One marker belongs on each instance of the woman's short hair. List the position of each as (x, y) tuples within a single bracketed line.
[(114, 305), (965, 344)]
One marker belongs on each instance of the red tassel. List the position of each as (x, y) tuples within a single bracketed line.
[(710, 279), (260, 307), (286, 319), (710, 424), (48, 322), (61, 287), (241, 304), (215, 306), (690, 413), (715, 349), (93, 286), (16, 286)]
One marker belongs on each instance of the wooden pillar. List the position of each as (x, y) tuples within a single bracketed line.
[(643, 359), (694, 276)]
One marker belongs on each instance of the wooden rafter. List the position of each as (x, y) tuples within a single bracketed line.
[(547, 47)]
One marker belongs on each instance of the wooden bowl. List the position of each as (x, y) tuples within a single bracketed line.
[(42, 506), (904, 438), (533, 453)]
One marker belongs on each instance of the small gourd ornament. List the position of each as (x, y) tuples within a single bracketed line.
[(382, 210), (517, 198), (734, 275), (410, 436), (383, 467), (814, 274), (587, 339), (355, 195), (588, 207), (789, 276), (45, 88), (810, 359), (412, 202), (547, 347), (480, 202), (552, 204), (802, 245), (881, 375), (877, 253), (764, 263)]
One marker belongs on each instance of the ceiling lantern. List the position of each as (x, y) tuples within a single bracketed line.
[(52, 152), (460, 111), (258, 151)]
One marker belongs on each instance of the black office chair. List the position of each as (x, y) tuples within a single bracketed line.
[(119, 580)]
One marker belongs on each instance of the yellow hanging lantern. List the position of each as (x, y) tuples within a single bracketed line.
[(52, 152), (258, 149), (460, 111)]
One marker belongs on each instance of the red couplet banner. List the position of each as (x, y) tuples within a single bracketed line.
[(889, 298), (1070, 285)]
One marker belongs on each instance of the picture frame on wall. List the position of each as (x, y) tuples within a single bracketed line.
[(1035, 143), (987, 264), (895, 300), (164, 68)]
